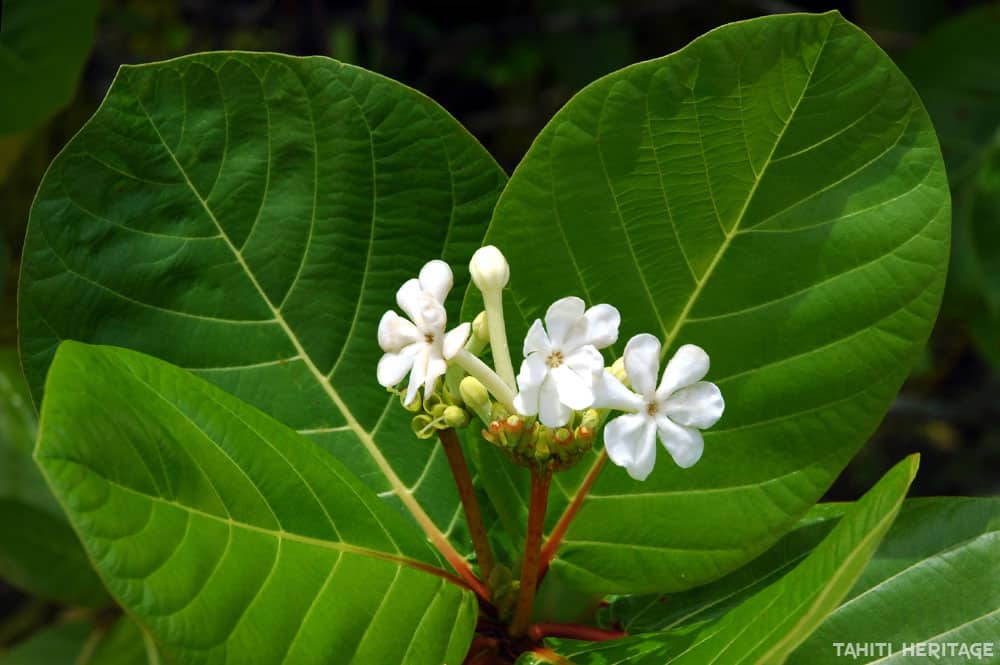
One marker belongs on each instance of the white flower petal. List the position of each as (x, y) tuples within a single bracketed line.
[(436, 367), (610, 393), (395, 332), (551, 411), (409, 300), (688, 365), (684, 444), (574, 390), (455, 340), (698, 405), (436, 279), (392, 367), (602, 325), (418, 373), (536, 341), (642, 362), (432, 317), (560, 318), (529, 381), (585, 361), (630, 441)]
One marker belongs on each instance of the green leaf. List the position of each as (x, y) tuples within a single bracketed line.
[(664, 612), (43, 47), (941, 556), (82, 643), (964, 103), (766, 628), (774, 193), (39, 552), (227, 535), (249, 217)]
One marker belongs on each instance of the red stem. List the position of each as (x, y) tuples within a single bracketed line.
[(532, 550), (467, 493), (555, 538), (574, 631)]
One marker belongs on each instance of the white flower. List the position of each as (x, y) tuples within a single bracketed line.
[(419, 346), (676, 410), (559, 368)]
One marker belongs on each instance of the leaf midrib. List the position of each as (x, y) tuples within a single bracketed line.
[(417, 512), (681, 320)]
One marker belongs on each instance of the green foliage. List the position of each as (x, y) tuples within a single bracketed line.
[(788, 213), (249, 217), (964, 103), (774, 193), (229, 535), (38, 550), (43, 46), (771, 623), (83, 643)]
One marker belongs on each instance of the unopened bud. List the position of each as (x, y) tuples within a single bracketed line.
[(438, 410), (476, 397), (456, 416), (617, 370), (563, 436), (489, 436), (513, 424), (480, 328), (489, 268), (584, 434), (590, 419)]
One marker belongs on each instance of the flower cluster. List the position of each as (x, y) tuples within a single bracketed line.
[(552, 411)]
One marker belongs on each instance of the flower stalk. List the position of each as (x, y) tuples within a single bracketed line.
[(470, 504), (540, 479), (475, 367)]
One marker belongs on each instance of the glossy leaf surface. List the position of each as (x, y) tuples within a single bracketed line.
[(769, 625), (229, 536), (774, 193), (249, 217)]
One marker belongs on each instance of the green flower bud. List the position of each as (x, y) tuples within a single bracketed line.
[(590, 419), (456, 416), (563, 437)]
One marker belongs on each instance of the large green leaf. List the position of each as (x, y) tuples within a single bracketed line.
[(43, 46), (774, 193), (943, 550), (249, 217), (226, 534), (768, 626), (661, 612), (38, 550)]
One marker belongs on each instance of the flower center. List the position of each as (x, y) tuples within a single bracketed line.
[(652, 408), (555, 359), (429, 338)]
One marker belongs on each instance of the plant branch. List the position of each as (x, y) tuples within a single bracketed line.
[(467, 493), (555, 538), (574, 631), (532, 550)]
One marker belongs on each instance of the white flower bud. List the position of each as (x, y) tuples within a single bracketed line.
[(489, 269)]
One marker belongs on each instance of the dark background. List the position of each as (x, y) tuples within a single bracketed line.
[(503, 69)]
